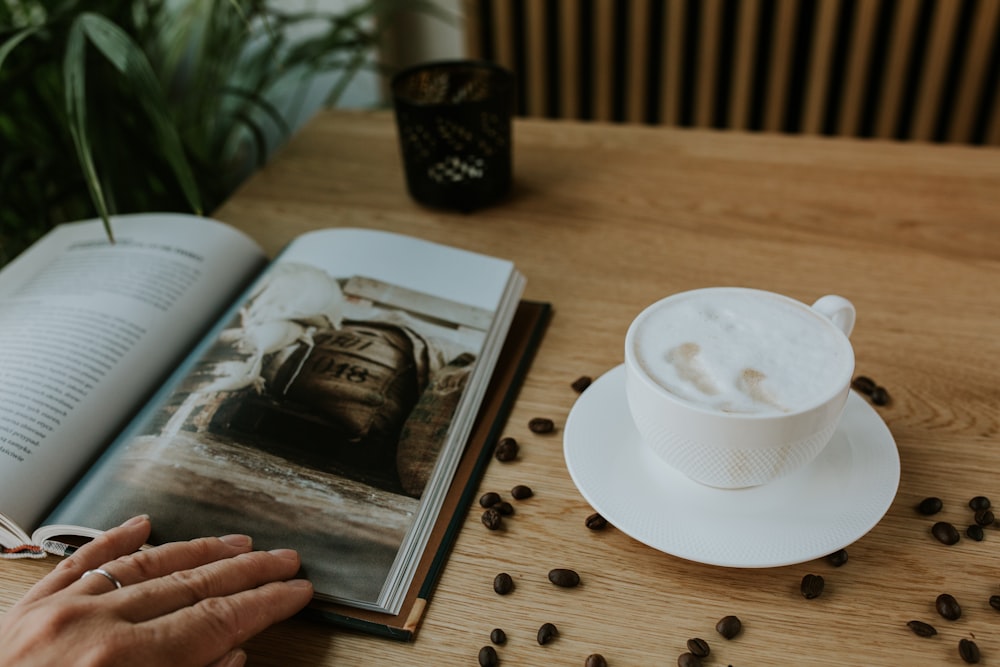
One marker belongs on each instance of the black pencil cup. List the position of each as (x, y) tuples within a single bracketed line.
[(454, 123)]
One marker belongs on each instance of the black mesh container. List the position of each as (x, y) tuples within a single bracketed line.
[(454, 121)]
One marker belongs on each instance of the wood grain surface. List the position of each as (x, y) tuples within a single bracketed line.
[(606, 219)]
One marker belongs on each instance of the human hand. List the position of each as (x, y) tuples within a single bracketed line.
[(183, 604)]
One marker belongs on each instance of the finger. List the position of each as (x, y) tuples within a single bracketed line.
[(235, 658), (183, 588), (201, 632), (124, 539), (167, 558)]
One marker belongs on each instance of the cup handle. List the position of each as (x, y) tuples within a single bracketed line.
[(839, 310)]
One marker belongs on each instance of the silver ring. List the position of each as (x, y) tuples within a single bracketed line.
[(107, 575)]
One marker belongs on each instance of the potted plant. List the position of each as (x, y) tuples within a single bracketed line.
[(114, 106)]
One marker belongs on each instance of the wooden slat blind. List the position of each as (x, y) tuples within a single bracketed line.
[(926, 70)]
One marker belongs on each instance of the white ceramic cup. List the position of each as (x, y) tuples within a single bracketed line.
[(736, 387)]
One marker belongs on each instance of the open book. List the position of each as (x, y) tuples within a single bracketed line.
[(322, 401)]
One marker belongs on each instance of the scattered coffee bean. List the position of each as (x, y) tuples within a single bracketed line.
[(975, 532), (505, 508), (503, 583), (995, 602), (564, 577), (506, 449), (498, 637), (837, 558), (922, 629), (729, 626), (985, 517), (812, 586), (547, 633), (879, 396), (581, 383), (931, 505), (688, 660), (945, 532), (979, 503), (488, 657), (863, 385), (948, 607), (520, 492), (595, 660), (489, 499), (492, 519), (968, 651), (698, 646), (596, 522), (541, 425)]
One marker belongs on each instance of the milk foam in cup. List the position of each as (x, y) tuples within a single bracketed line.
[(735, 386)]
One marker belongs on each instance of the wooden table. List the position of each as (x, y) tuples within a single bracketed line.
[(606, 219)]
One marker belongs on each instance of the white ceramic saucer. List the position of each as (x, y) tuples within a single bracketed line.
[(808, 514)]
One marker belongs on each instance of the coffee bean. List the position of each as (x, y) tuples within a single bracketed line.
[(979, 503), (995, 602), (729, 626), (547, 633), (812, 586), (698, 646), (564, 577), (688, 660), (520, 492), (879, 396), (505, 508), (863, 385), (837, 558), (596, 522), (498, 637), (503, 583), (581, 383), (595, 660), (922, 629), (931, 505), (506, 449), (948, 607), (975, 532), (541, 425), (968, 651), (945, 532), (489, 499), (492, 519), (985, 517), (488, 657)]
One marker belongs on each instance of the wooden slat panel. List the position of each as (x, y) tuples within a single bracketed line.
[(604, 21), (536, 59), (569, 54), (746, 39), (777, 89), (473, 26), (503, 39), (903, 27), (970, 91), (818, 82), (857, 68), (637, 69), (672, 56), (708, 59), (935, 68)]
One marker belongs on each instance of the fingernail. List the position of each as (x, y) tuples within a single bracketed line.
[(237, 540), (235, 658), (287, 554), (299, 583), (136, 520)]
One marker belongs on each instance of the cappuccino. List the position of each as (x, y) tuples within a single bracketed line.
[(742, 351)]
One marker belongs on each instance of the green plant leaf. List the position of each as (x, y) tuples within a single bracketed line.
[(16, 39), (130, 61)]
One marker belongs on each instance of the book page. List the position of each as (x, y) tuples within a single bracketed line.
[(326, 413), (87, 331)]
